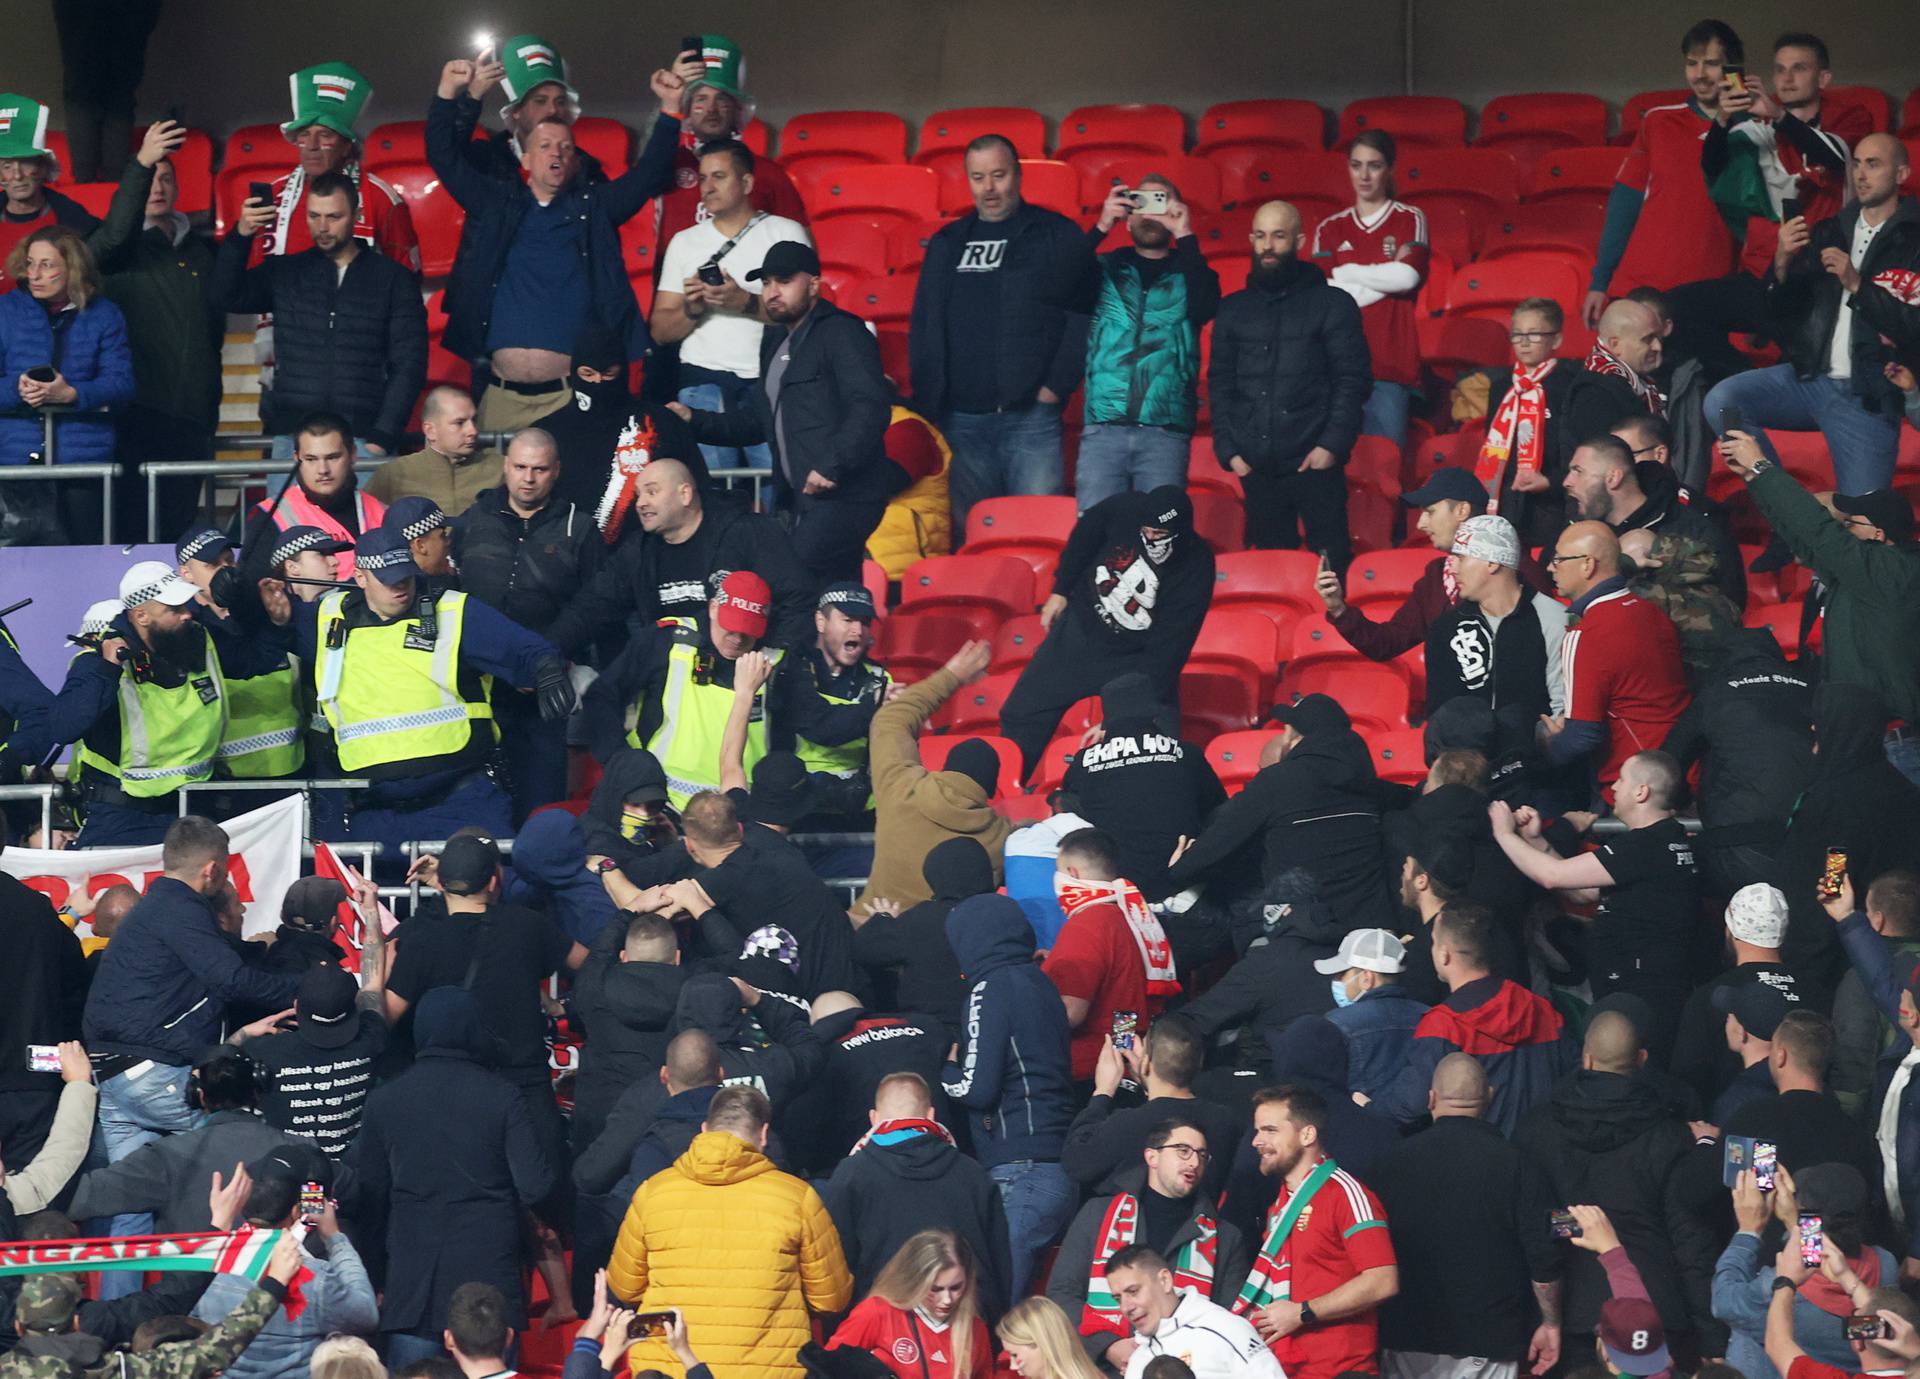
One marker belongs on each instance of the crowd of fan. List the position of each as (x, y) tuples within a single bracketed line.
[(1516, 1068)]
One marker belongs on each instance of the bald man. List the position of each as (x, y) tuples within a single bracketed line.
[(1449, 1320), (1626, 352), (864, 1049), (1621, 660), (1289, 376), (1836, 289), (451, 468)]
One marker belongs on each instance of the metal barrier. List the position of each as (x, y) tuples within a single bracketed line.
[(105, 474), (42, 793), (247, 472)]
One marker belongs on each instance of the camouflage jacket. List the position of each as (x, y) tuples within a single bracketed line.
[(76, 1355)]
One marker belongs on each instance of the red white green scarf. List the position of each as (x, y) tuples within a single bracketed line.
[(1272, 1267), (245, 1252), (1604, 361), (1156, 953), (1517, 432), (1192, 1265)]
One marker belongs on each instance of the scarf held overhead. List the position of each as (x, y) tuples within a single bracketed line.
[(1192, 1265), (244, 1251), (1156, 953)]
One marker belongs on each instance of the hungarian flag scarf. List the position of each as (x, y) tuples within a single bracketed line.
[(1603, 361), (1192, 1265), (1156, 953), (244, 1251), (1272, 1267), (1517, 433)]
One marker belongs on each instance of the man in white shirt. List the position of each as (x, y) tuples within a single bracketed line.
[(1210, 1340), (707, 300)]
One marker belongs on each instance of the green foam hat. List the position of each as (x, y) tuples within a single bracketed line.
[(726, 72), (23, 129), (531, 61), (332, 94)]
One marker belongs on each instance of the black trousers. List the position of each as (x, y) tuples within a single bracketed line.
[(103, 56), (25, 1119), (1706, 312), (142, 435), (1280, 508), (1067, 668), (830, 535)]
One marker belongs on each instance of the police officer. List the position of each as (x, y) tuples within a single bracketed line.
[(429, 533), (677, 683), (201, 554), (825, 696), (160, 687), (404, 675)]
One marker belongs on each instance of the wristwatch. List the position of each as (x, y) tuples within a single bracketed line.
[(1306, 1313), (1782, 1281)]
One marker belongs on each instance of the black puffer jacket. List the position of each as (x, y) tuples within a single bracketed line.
[(1751, 726), (1609, 1141), (1290, 370), (1806, 307), (527, 567), (356, 345)]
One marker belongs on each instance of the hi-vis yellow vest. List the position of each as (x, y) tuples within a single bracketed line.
[(168, 737), (693, 719), (848, 757), (263, 740), (389, 695)]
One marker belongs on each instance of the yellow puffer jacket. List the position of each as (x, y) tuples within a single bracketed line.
[(742, 1249), (917, 522)]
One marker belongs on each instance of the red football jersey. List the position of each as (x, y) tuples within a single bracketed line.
[(911, 1344), (773, 192), (1397, 233), (384, 220), (1623, 670), (1680, 236), (1340, 1234)]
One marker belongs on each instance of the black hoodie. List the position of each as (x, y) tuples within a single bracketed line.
[(1274, 984), (626, 1009), (1610, 1141), (909, 951), (1751, 726), (862, 1049), (1317, 808), (629, 770)]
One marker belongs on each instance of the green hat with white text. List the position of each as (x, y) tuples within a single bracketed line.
[(726, 72), (23, 129), (332, 94), (531, 61)]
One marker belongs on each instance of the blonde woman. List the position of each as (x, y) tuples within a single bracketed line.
[(1042, 1344), (62, 344), (345, 1357), (923, 1316)]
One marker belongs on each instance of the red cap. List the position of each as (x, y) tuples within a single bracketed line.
[(1636, 1342), (743, 603)]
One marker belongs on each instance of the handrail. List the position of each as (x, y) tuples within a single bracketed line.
[(46, 473), (44, 792), (263, 469)]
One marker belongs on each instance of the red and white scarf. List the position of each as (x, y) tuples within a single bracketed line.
[(908, 1124), (1604, 361), (632, 453), (1516, 434), (1192, 1265), (1155, 952)]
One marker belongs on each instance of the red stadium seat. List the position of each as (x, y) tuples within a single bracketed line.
[(1267, 578), (887, 193), (1220, 521), (874, 575), (1375, 696), (1386, 576), (1804, 455), (885, 299), (1375, 461), (1047, 183), (640, 245), (847, 244), (1453, 345), (1019, 526), (402, 141), (1235, 757), (851, 136), (1212, 704), (1542, 120), (1051, 769), (757, 137), (1910, 113), (1491, 288), (1413, 121), (437, 217), (62, 158), (984, 589), (1015, 641), (1486, 177), (1586, 173), (192, 170), (1203, 471), (1249, 176), (896, 357), (912, 645), (1565, 224), (1783, 620), (1238, 641), (907, 245), (950, 131), (1872, 99), (257, 146), (1197, 179), (1399, 757), (1147, 128), (1636, 108), (608, 140), (1454, 230), (1262, 124), (934, 751), (975, 708), (94, 196), (1370, 517)]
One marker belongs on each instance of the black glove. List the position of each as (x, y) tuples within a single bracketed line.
[(224, 587), (555, 689)]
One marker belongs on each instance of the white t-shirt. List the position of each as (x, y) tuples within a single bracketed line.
[(722, 341), (1214, 1343), (1840, 356)]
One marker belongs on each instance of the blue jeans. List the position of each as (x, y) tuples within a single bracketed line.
[(402, 1348), (1039, 1200), (724, 393), (1002, 454), (137, 1107), (1116, 457), (1864, 446), (1385, 411), (1903, 753)]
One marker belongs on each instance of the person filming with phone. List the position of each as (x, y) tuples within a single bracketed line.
[(1877, 1320)]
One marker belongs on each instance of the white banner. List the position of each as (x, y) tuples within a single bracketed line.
[(265, 861)]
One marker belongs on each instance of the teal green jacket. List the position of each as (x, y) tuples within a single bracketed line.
[(1143, 346), (1872, 633)]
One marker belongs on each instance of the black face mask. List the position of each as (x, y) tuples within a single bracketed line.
[(600, 398)]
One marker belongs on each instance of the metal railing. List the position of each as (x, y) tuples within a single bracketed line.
[(104, 474), (246, 473), (43, 793)]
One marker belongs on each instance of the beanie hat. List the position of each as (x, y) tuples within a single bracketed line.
[(726, 72), (978, 762), (23, 129), (531, 61), (333, 94), (1488, 538)]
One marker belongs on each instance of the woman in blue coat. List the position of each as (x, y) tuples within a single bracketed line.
[(60, 319)]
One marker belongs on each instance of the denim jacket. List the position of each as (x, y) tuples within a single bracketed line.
[(1742, 1290), (1379, 1027)]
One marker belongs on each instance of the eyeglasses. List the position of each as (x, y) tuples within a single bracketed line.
[(1646, 449), (1185, 1153), (1528, 337), (1556, 559)]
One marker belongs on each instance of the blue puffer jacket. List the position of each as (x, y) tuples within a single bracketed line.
[(1014, 1073), (339, 1300), (92, 354)]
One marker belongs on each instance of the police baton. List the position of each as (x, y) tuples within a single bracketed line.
[(14, 607)]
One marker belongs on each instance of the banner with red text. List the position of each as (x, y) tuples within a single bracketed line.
[(265, 861)]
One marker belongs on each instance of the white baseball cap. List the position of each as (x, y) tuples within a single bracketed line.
[(1370, 950), (99, 616), (156, 581), (1488, 537), (1757, 914)]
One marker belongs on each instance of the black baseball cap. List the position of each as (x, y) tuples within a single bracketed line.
[(1313, 713), (1883, 507), (327, 1008), (203, 543), (467, 863), (297, 539), (785, 259), (1758, 1007), (854, 600), (1449, 483)]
